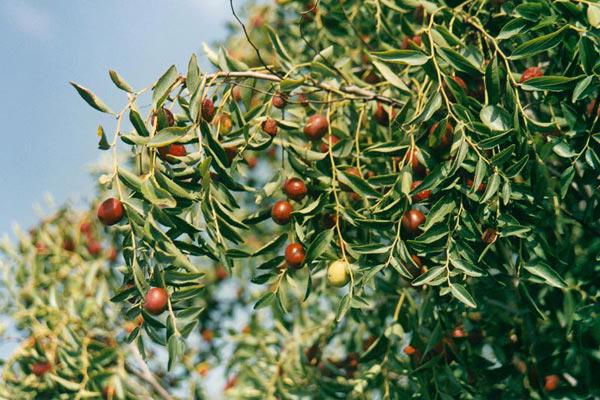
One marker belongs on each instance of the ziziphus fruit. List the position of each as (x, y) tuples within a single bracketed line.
[(110, 211), (175, 150), (294, 255), (282, 212), (419, 196), (224, 123), (40, 368), (531, 72), (325, 144), (445, 139), (412, 220), (279, 100), (269, 126), (316, 127), (381, 115), (208, 110), (551, 382), (295, 189), (156, 300), (338, 273)]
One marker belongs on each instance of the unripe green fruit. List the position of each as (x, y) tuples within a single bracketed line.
[(338, 273)]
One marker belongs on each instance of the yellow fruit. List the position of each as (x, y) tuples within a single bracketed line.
[(338, 273)]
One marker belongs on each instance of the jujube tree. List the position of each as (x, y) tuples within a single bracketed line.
[(423, 217)]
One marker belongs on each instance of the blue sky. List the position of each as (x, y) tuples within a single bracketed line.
[(48, 132)]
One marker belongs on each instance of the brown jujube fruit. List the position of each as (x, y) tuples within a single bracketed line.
[(269, 126), (208, 110), (294, 255), (156, 300), (295, 189), (110, 211), (282, 212), (316, 127), (412, 220)]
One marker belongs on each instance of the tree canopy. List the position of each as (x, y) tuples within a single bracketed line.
[(398, 198)]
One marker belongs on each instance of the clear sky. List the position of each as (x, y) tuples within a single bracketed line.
[(48, 133)]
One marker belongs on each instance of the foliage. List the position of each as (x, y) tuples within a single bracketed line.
[(429, 106)]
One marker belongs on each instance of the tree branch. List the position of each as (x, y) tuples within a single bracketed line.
[(146, 375), (362, 94)]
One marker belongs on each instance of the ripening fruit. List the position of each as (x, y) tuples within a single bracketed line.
[(489, 236), (68, 244), (338, 273), (231, 152), (208, 335), (446, 138), (208, 110), (295, 189), (269, 126), (236, 93), (223, 121), (381, 115), (409, 350), (316, 127), (94, 247), (221, 273), (156, 300), (302, 99), (325, 144), (279, 100), (294, 255), (460, 83), (175, 150), (551, 382), (407, 40), (531, 72), (252, 161), (110, 211), (470, 182), (591, 107), (282, 212), (40, 368), (411, 220), (112, 255), (418, 168), (109, 392), (459, 332), (419, 196), (169, 116)]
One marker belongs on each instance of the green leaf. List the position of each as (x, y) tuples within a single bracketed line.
[(549, 275), (409, 57), (495, 118), (176, 348), (157, 195), (492, 187), (138, 123), (103, 143), (91, 98), (433, 104), (119, 81), (278, 45), (438, 212), (319, 244), (461, 293), (265, 300), (538, 44), (549, 83), (459, 62), (593, 15), (583, 88), (512, 28), (272, 245), (192, 80), (169, 135), (492, 82), (390, 76), (359, 185), (428, 276), (163, 87), (343, 307)]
